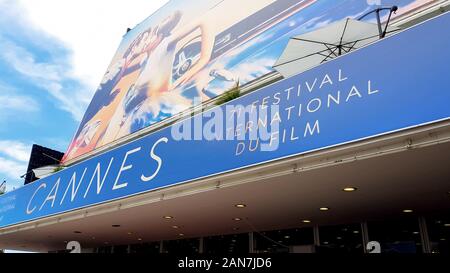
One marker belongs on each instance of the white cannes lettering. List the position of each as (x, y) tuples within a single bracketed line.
[(75, 187), (97, 173), (42, 186), (124, 168), (157, 159), (52, 195), (73, 182)]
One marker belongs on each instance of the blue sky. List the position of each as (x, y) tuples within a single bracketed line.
[(50, 65)]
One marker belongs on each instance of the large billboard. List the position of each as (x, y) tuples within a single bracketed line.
[(355, 101), (191, 51)]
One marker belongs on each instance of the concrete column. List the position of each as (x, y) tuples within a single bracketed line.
[(251, 243), (316, 236), (424, 237), (365, 235), (201, 246), (161, 246)]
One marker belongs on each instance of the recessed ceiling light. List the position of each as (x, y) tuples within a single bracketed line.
[(408, 211), (446, 225), (130, 233), (168, 217), (139, 239), (324, 209), (181, 234), (287, 237), (115, 226), (237, 219), (175, 227), (356, 231), (350, 189), (306, 221), (241, 206)]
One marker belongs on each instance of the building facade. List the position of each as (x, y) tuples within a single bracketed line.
[(357, 151)]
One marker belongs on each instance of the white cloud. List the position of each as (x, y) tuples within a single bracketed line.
[(11, 102), (14, 156), (15, 150), (24, 62), (91, 29), (88, 32), (47, 76), (11, 168)]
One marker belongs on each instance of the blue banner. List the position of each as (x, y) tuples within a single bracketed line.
[(395, 84)]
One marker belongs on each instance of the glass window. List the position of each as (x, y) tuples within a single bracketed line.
[(397, 236), (121, 249), (299, 240), (185, 247), (341, 239), (227, 244), (439, 233), (104, 250), (146, 248)]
